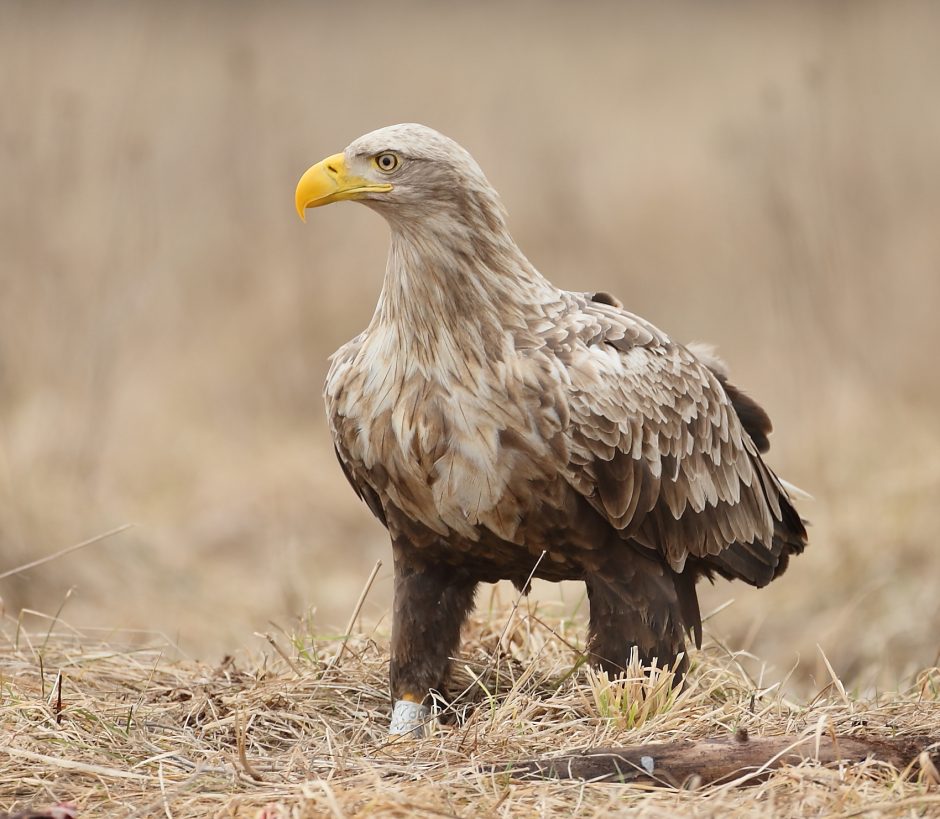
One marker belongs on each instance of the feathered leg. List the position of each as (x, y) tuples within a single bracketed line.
[(431, 604), (634, 604)]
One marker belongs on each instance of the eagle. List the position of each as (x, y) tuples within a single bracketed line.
[(502, 428)]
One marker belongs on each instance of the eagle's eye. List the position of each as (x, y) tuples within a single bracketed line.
[(387, 162)]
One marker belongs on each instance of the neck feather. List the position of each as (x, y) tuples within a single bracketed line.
[(455, 290)]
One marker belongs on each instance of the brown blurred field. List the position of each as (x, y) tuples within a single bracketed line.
[(765, 177)]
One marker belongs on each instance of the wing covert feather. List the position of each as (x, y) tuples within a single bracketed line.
[(658, 448)]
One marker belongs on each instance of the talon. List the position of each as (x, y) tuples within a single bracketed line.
[(409, 718)]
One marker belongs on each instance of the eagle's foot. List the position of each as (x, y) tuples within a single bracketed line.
[(409, 718)]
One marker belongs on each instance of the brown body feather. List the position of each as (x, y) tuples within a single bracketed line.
[(487, 417)]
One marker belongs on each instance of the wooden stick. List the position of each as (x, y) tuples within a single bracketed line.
[(738, 760)]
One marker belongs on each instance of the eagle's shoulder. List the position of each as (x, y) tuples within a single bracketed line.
[(341, 364)]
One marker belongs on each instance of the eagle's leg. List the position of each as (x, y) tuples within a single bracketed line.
[(432, 602), (634, 605)]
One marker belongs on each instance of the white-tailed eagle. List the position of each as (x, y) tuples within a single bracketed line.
[(502, 428)]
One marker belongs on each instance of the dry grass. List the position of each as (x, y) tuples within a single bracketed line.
[(293, 733), (769, 184), (763, 177)]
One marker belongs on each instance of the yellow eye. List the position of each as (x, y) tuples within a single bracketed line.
[(386, 162)]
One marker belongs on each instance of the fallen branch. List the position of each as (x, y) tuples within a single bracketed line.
[(63, 810), (737, 760)]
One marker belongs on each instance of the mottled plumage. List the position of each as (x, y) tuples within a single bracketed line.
[(486, 416)]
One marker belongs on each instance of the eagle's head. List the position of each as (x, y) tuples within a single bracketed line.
[(410, 173)]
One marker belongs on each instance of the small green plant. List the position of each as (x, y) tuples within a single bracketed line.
[(635, 696)]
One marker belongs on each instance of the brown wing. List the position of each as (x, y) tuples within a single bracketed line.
[(362, 489), (341, 427), (658, 447), (755, 421)]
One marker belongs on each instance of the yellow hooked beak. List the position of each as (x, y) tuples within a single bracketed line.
[(328, 181)]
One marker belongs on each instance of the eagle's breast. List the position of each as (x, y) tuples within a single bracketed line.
[(454, 451)]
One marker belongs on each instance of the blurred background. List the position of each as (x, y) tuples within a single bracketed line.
[(765, 177)]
